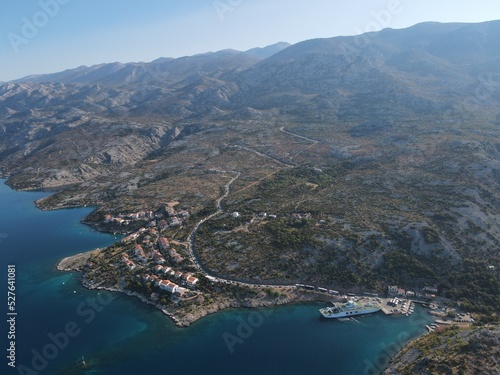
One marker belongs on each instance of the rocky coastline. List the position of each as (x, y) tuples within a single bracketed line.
[(182, 316)]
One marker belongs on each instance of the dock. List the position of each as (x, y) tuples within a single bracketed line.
[(397, 306)]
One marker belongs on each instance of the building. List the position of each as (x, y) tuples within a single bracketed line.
[(158, 268), (174, 222), (180, 291), (157, 257), (184, 214), (169, 211), (139, 253), (130, 238), (163, 243), (168, 286), (131, 265), (169, 271), (177, 258), (191, 281), (393, 290), (432, 289)]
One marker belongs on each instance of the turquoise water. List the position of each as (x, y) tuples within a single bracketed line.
[(120, 335)]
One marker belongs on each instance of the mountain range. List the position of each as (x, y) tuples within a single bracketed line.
[(401, 125)]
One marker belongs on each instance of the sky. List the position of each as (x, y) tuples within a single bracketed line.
[(46, 36)]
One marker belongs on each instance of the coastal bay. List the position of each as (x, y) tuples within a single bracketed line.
[(122, 335)]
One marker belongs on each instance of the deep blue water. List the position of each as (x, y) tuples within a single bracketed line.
[(120, 335)]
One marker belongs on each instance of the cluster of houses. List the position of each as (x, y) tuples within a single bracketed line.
[(125, 219), (164, 218), (428, 292), (298, 216), (167, 285), (154, 255), (164, 245), (150, 249), (187, 278), (131, 265)]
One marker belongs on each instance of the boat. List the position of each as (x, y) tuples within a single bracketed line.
[(350, 308)]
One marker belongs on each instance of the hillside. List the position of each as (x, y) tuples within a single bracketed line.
[(452, 351), (361, 161)]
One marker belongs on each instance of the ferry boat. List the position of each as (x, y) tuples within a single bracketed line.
[(350, 308)]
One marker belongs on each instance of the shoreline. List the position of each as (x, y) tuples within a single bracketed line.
[(76, 263), (183, 318)]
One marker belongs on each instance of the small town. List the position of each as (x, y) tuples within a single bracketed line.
[(150, 257), (165, 272)]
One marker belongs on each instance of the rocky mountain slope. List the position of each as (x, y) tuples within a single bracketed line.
[(453, 351), (389, 140)]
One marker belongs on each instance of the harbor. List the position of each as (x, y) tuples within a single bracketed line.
[(344, 306)]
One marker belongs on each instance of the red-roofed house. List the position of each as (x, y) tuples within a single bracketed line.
[(131, 265), (158, 268), (163, 243), (155, 254), (191, 281), (177, 258), (173, 252), (168, 286)]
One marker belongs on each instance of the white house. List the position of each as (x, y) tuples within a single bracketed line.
[(168, 286)]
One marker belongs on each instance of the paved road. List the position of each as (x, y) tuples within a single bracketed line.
[(227, 189)]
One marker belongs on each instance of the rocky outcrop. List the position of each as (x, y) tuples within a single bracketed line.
[(452, 351)]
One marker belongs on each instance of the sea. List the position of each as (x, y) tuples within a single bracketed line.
[(58, 327)]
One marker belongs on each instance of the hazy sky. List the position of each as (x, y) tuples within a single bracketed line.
[(43, 36)]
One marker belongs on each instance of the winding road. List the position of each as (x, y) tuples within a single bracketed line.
[(227, 189)]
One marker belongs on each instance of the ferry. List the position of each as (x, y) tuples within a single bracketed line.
[(349, 308)]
